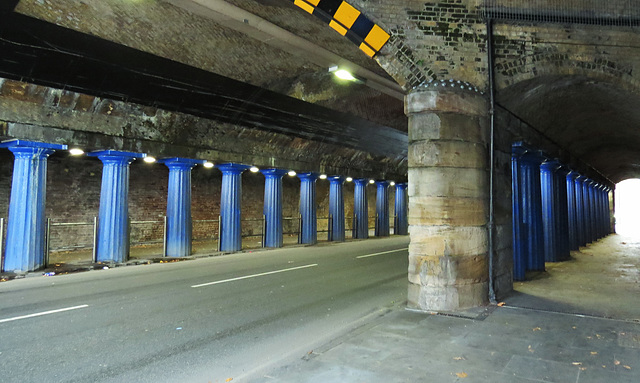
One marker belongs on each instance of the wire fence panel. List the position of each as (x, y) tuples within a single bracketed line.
[(594, 12)]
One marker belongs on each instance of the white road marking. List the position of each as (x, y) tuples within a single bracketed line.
[(255, 275), (43, 313), (384, 252)]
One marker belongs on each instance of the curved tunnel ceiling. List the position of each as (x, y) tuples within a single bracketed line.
[(595, 121)]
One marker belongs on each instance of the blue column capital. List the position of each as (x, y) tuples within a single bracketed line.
[(402, 185), (573, 175), (336, 179), (116, 156), (309, 176), (232, 168), (180, 163), (581, 179), (273, 172), (382, 183), (359, 181), (29, 148), (550, 165)]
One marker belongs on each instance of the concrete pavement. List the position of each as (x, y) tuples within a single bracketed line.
[(577, 323)]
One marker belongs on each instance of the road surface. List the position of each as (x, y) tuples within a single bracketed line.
[(205, 320)]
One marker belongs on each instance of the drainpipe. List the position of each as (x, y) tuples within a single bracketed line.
[(492, 108)]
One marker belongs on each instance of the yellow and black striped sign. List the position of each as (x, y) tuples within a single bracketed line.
[(349, 22)]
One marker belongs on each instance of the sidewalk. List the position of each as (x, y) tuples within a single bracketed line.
[(537, 336)]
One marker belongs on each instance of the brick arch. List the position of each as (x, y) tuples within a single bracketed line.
[(529, 67)]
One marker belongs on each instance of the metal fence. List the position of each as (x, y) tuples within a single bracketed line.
[(594, 12), (72, 236)]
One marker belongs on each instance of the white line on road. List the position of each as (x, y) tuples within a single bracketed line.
[(255, 275), (384, 252), (43, 313)]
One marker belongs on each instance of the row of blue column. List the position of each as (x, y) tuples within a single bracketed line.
[(25, 246), (555, 210)]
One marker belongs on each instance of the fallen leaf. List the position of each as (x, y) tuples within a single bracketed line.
[(598, 336), (594, 352), (604, 366), (501, 304), (537, 329), (229, 379), (461, 374), (574, 327), (583, 368), (531, 350), (577, 363), (459, 358), (616, 362), (589, 337), (627, 367)]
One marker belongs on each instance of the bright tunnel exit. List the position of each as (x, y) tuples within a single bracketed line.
[(627, 205)]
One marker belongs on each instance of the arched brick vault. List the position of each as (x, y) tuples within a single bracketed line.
[(592, 114)]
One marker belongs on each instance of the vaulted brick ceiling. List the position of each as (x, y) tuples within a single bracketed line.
[(167, 30), (594, 120)]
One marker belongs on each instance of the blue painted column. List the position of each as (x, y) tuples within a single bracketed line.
[(549, 209), (230, 198), (273, 206), (586, 205), (308, 208), (608, 207), (336, 208), (26, 224), (361, 208), (563, 236), (603, 211), (113, 216), (179, 227), (532, 209), (518, 230), (592, 211), (401, 226), (580, 213), (572, 211), (598, 210), (382, 209)]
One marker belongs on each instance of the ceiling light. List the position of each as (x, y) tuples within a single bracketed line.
[(392, 183), (372, 181), (344, 75), (76, 152), (149, 159), (208, 164), (254, 169), (323, 176), (291, 173), (349, 179)]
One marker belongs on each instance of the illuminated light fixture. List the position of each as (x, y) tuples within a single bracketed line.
[(372, 181), (392, 183), (208, 165), (149, 159), (76, 152), (292, 173), (345, 75), (349, 179), (323, 176), (254, 169)]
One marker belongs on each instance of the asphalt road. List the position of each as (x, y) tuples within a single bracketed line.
[(206, 320)]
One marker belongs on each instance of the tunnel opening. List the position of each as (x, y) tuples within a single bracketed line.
[(627, 208)]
